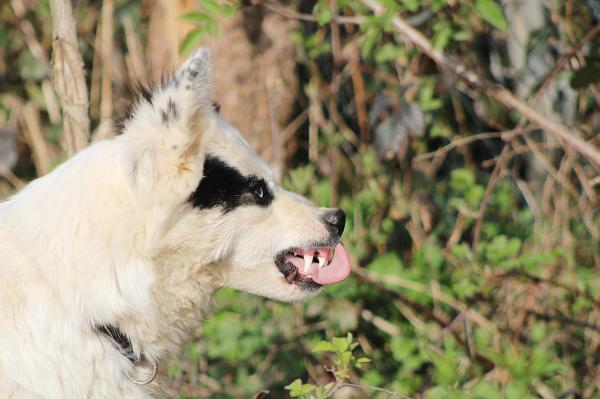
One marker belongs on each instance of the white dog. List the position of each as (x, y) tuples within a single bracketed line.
[(109, 262)]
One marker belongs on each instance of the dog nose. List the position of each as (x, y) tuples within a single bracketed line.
[(335, 220)]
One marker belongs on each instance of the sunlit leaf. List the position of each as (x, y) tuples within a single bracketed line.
[(491, 11)]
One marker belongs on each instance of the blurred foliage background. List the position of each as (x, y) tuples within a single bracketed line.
[(475, 234)]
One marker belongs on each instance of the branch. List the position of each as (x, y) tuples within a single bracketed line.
[(68, 77), (291, 14), (367, 388), (497, 92)]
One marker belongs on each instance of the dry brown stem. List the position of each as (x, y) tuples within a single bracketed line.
[(134, 58), (288, 13), (30, 121), (106, 50), (502, 159), (163, 37), (68, 77)]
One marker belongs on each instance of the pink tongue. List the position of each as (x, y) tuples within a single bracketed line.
[(336, 271)]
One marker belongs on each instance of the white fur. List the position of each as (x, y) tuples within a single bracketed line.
[(110, 238)]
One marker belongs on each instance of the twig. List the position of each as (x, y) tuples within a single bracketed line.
[(276, 154), (287, 132), (68, 77), (550, 169), (495, 91), (360, 96), (504, 156), (417, 287), (316, 119), (399, 300), (380, 323), (565, 59), (356, 20), (587, 189), (135, 53), (494, 178), (52, 105), (11, 177), (466, 140), (368, 388), (106, 50), (30, 120), (31, 39), (542, 280), (163, 37)]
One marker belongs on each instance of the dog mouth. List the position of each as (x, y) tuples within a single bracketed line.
[(314, 266)]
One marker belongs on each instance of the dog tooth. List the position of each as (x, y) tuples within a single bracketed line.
[(307, 261), (321, 261)]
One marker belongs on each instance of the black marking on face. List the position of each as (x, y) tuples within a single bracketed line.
[(226, 187), (216, 106)]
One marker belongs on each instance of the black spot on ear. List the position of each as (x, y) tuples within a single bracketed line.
[(169, 114), (216, 106), (226, 187)]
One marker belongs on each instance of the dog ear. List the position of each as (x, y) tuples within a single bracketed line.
[(166, 127), (181, 99), (196, 78)]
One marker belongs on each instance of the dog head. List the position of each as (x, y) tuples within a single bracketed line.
[(234, 217)]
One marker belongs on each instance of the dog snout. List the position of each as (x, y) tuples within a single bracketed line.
[(335, 220)]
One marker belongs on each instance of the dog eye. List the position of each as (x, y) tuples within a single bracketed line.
[(258, 191)]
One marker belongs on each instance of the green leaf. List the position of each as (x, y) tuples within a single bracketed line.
[(196, 17), (215, 8), (442, 36), (297, 388), (388, 52), (387, 264), (403, 348), (324, 17), (437, 392), (324, 346), (368, 41), (433, 256), (191, 40), (345, 358), (461, 179), (485, 390), (411, 5), (502, 248), (340, 344), (295, 385), (491, 12)]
